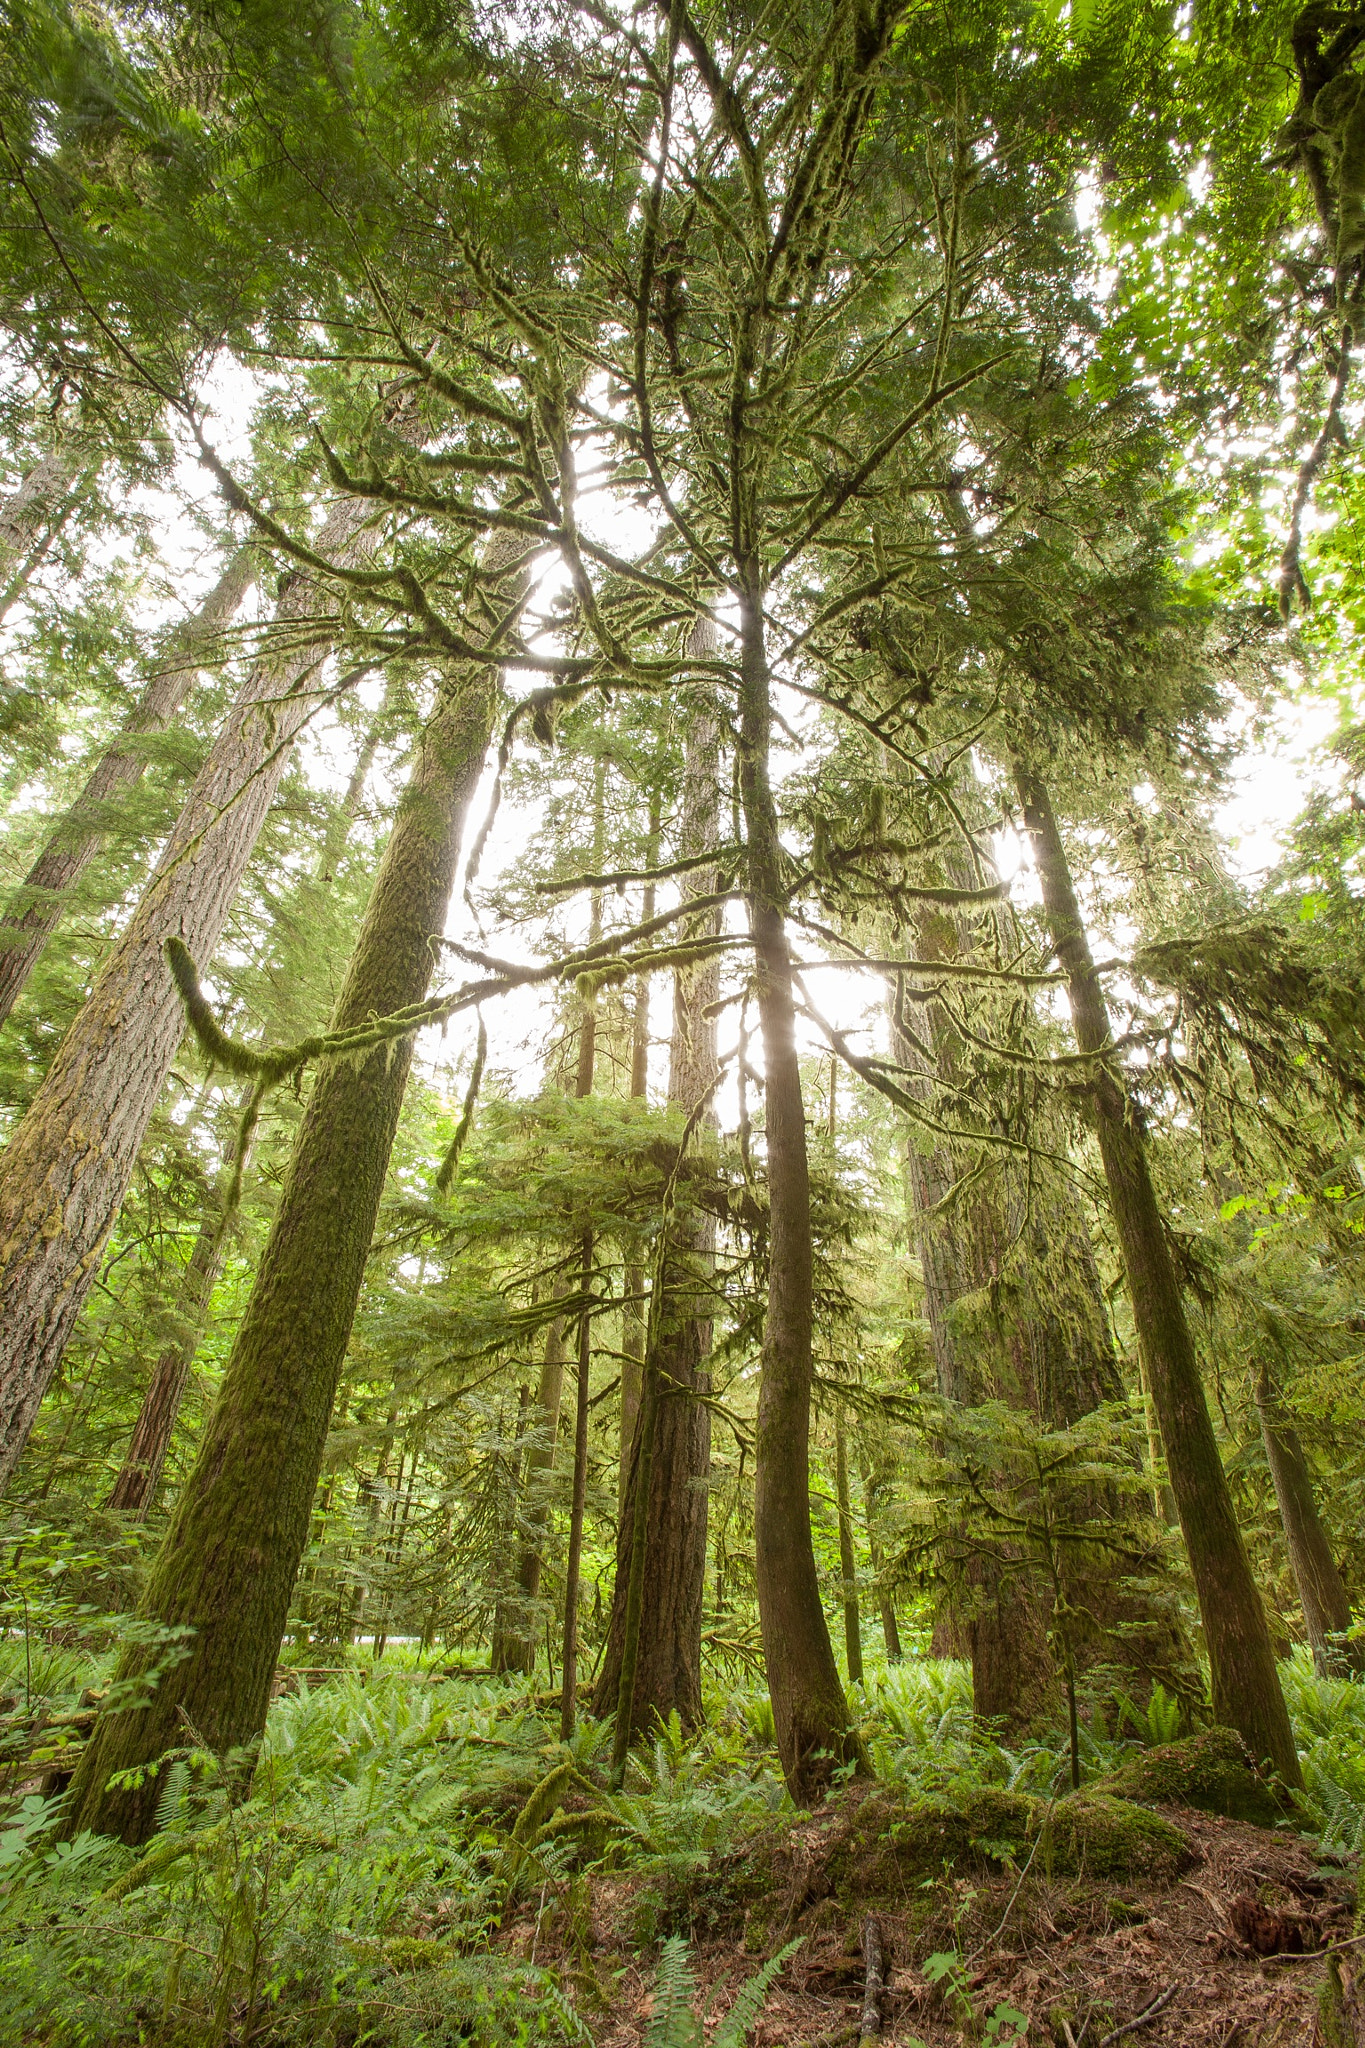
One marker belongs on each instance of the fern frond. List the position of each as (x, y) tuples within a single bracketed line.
[(733, 2030)]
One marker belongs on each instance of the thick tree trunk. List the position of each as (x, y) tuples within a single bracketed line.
[(36, 908), (139, 1480), (633, 1315), (1322, 1592), (1246, 1686), (667, 1663), (239, 1528), (67, 1167), (814, 1735), (33, 516), (994, 1619), (1031, 1332)]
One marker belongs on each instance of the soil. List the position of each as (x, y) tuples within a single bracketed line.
[(1240, 1934)]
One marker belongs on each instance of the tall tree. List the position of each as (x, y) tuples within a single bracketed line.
[(232, 1552), (34, 911), (671, 1567), (1245, 1683), (65, 1170)]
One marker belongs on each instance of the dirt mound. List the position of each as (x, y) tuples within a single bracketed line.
[(1176, 1911)]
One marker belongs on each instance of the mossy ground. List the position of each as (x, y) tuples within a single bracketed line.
[(1212, 1771)]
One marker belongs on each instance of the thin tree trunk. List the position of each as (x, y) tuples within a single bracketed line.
[(1246, 1686), (33, 516), (241, 1522), (665, 1549), (67, 1167), (848, 1564), (139, 1480), (1321, 1589), (587, 1056), (886, 1606), (36, 908), (810, 1713), (516, 1649)]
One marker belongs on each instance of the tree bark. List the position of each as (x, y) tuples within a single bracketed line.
[(514, 1645), (578, 1499), (36, 908), (1322, 1592), (633, 1315), (848, 1566), (67, 1167), (139, 1480), (1246, 1686), (677, 1461), (810, 1713), (33, 516), (239, 1528)]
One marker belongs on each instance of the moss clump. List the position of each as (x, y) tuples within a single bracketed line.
[(1096, 1835), (883, 1845), (1212, 1771)]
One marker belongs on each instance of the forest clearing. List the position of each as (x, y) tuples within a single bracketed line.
[(682, 1023)]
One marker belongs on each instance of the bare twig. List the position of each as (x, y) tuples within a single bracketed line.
[(1149, 2012)]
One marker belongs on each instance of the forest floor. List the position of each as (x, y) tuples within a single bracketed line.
[(422, 1860), (1076, 1958)]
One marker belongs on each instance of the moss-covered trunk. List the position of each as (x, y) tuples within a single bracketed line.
[(633, 1315), (67, 1167), (1246, 1686), (810, 1713), (35, 909), (232, 1552), (1016, 1314), (1321, 1589), (667, 1672)]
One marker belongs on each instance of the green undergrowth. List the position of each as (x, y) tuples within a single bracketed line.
[(403, 1819)]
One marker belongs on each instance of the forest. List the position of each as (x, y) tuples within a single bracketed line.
[(682, 1023)]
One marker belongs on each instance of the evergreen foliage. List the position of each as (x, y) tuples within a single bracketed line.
[(659, 1157)]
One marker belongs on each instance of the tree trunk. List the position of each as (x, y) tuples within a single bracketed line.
[(993, 1619), (67, 1167), (35, 909), (810, 1713), (672, 1567), (33, 516), (848, 1564), (1321, 1589), (633, 1315), (1246, 1686), (230, 1558), (1016, 1314), (587, 1058), (139, 1480), (514, 1648)]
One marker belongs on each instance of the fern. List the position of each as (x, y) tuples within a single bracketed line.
[(733, 2030), (673, 2024)]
